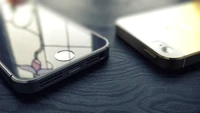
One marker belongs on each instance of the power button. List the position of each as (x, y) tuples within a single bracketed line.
[(150, 54)]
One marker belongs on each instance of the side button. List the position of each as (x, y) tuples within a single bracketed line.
[(150, 54)]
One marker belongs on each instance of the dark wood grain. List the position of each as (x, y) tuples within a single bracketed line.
[(126, 83)]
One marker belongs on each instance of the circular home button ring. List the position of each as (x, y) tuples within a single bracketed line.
[(64, 55)]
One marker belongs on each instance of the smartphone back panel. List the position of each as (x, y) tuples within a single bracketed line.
[(177, 28)]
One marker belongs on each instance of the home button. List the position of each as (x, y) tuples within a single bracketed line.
[(64, 55)]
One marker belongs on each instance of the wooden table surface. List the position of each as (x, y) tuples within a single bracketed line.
[(126, 83)]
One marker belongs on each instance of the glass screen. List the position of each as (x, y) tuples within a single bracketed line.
[(32, 35)]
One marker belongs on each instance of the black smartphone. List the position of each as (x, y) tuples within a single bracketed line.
[(39, 47)]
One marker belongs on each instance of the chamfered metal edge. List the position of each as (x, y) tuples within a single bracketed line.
[(161, 61), (120, 30), (15, 79)]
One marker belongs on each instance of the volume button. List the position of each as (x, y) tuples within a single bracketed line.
[(5, 69), (150, 54)]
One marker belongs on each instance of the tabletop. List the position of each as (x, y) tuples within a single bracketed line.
[(126, 82)]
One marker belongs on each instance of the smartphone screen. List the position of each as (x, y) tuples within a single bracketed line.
[(31, 36)]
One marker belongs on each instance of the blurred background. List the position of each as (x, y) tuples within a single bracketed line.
[(100, 15)]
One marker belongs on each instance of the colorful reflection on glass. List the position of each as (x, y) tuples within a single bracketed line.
[(30, 48), (35, 68)]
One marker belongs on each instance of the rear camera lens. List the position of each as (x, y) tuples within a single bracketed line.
[(167, 50)]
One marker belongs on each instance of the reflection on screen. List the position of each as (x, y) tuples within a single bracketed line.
[(35, 36)]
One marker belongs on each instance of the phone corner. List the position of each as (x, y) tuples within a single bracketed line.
[(170, 63), (24, 86)]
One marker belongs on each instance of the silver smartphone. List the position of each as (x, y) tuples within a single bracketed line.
[(169, 37), (39, 47)]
